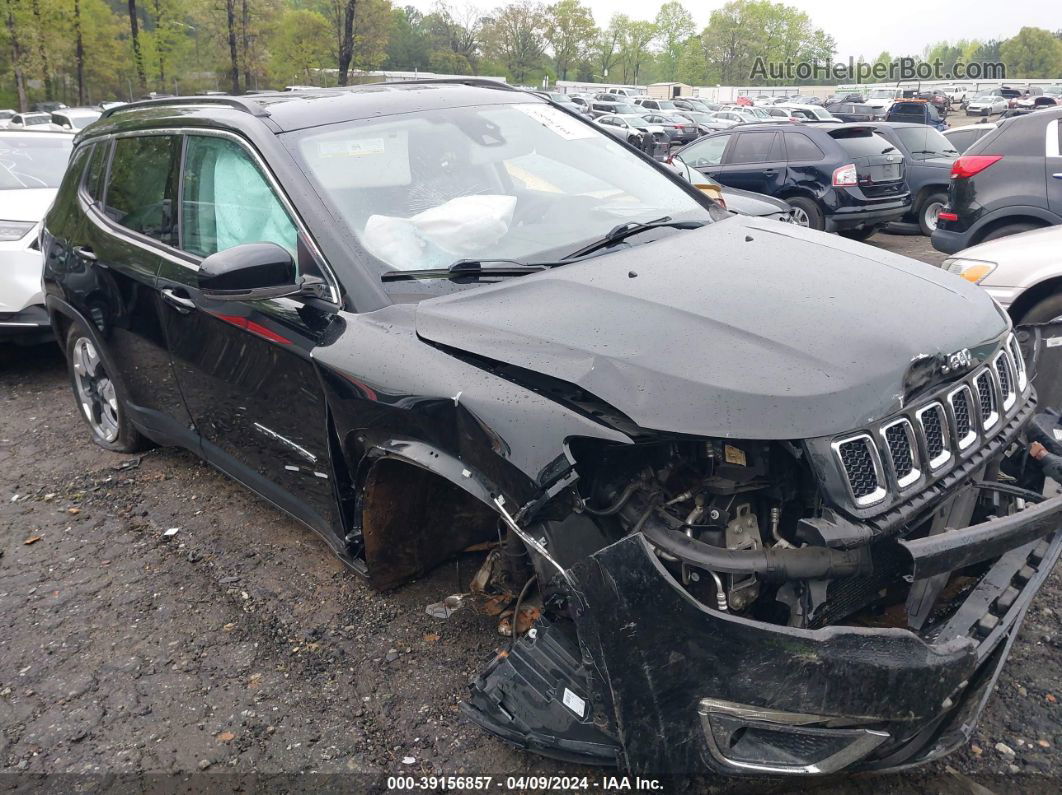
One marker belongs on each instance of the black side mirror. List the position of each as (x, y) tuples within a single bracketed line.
[(253, 272)]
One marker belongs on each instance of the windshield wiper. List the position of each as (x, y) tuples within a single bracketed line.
[(624, 231), (467, 270)]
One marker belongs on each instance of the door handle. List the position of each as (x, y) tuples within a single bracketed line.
[(181, 303), (85, 252), (770, 172)]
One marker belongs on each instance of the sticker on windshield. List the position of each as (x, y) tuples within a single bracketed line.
[(557, 120), (357, 147)]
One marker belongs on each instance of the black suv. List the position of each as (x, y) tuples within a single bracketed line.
[(844, 179), (700, 454), (1008, 181)]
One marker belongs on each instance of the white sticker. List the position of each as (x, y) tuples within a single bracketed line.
[(557, 120), (1058, 433), (356, 147), (1053, 342), (574, 703)]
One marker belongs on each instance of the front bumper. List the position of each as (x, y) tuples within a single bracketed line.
[(669, 685)]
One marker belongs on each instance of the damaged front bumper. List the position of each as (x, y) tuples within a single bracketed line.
[(652, 680)]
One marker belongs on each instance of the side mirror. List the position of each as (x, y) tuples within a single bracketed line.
[(253, 272)]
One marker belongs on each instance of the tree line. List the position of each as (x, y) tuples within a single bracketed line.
[(86, 51)]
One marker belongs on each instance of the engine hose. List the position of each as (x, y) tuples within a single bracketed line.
[(614, 507), (806, 563), (1006, 488)]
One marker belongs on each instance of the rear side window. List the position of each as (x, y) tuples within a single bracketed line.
[(228, 201), (800, 147), (863, 144), (752, 148), (142, 186), (97, 170)]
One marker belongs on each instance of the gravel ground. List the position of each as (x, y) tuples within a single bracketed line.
[(239, 644)]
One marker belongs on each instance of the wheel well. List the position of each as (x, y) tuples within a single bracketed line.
[(928, 190), (61, 323), (413, 519), (793, 193), (1007, 221), (1028, 299)]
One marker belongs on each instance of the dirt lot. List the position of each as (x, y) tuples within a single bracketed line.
[(240, 645)]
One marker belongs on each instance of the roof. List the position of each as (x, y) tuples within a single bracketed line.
[(295, 110)]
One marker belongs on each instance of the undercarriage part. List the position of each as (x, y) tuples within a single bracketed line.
[(538, 696)]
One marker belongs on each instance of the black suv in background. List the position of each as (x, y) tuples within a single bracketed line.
[(840, 178), (1008, 181)]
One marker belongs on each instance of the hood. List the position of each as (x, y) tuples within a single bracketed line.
[(1018, 256), (27, 204), (743, 328)]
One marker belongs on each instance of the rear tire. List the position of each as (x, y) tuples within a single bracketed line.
[(806, 212), (1043, 311), (861, 235), (929, 210), (1007, 230), (98, 397)]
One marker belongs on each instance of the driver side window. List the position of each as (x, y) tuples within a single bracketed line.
[(142, 186), (227, 200), (708, 152)]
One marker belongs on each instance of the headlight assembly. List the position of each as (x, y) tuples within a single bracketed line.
[(14, 230), (973, 270)]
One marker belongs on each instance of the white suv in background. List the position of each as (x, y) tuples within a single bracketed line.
[(31, 167)]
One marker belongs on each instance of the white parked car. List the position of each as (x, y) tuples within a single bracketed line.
[(881, 98), (32, 165), (986, 105), (25, 121), (810, 113), (6, 115), (74, 119), (957, 93), (1020, 271)]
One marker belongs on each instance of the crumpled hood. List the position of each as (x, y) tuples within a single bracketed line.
[(744, 328)]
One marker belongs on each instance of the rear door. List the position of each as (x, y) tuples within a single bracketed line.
[(129, 198), (755, 162), (244, 366), (1053, 145)]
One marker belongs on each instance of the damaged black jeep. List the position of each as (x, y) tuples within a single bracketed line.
[(751, 499)]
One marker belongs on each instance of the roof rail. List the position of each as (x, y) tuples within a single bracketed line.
[(238, 103), (466, 81)]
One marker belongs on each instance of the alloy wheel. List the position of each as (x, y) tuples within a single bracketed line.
[(95, 390), (800, 217)]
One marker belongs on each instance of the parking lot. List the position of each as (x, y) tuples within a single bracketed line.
[(155, 617)]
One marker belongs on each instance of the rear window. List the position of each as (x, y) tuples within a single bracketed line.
[(862, 143)]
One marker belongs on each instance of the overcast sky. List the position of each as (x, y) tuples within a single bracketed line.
[(902, 27)]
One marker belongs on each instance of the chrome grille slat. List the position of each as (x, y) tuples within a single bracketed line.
[(924, 442)]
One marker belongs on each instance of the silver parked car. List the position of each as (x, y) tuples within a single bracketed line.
[(1022, 272)]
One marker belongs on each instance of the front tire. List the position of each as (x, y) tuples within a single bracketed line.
[(98, 398), (929, 210)]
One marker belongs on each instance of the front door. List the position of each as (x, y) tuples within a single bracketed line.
[(244, 366), (755, 162), (1053, 143)]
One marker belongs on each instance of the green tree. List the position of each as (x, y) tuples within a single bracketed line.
[(606, 47), (675, 27), (1034, 52), (301, 44), (513, 35), (570, 30)]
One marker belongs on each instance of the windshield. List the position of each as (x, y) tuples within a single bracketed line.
[(881, 93), (33, 160), (925, 142), (523, 182), (630, 110), (985, 98), (665, 104)]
